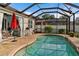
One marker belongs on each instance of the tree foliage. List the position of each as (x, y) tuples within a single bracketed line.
[(48, 16), (63, 17)]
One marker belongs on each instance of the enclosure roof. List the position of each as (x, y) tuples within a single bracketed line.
[(35, 9)]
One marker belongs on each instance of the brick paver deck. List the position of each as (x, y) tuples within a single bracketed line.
[(7, 47)]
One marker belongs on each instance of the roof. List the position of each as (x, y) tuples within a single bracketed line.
[(38, 9)]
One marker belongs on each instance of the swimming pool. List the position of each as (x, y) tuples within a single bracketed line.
[(49, 45)]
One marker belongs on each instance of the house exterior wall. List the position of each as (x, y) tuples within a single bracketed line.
[(25, 24), (1, 17), (31, 24), (23, 20)]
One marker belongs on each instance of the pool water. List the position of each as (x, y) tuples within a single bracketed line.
[(49, 45)]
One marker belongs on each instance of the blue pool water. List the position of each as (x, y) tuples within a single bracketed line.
[(49, 45)]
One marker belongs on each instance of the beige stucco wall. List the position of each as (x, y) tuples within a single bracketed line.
[(25, 24), (1, 17), (22, 19), (33, 24)]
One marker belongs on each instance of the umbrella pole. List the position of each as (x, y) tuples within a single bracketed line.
[(14, 40)]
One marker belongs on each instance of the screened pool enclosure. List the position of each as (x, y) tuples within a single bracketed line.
[(66, 15)]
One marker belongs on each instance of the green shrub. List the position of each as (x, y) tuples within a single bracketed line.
[(77, 35), (61, 31), (48, 29), (71, 34)]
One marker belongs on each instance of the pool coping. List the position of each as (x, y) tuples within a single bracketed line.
[(15, 51), (70, 39), (73, 40)]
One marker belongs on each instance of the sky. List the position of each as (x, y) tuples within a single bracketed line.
[(22, 6)]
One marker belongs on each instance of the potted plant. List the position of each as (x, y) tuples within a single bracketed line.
[(71, 34)]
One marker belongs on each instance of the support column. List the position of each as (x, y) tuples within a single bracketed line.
[(42, 26), (69, 23), (21, 22), (1, 18), (74, 23), (67, 26)]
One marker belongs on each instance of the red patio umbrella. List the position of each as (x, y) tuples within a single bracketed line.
[(14, 23)]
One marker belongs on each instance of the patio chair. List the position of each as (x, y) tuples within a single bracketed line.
[(5, 34)]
